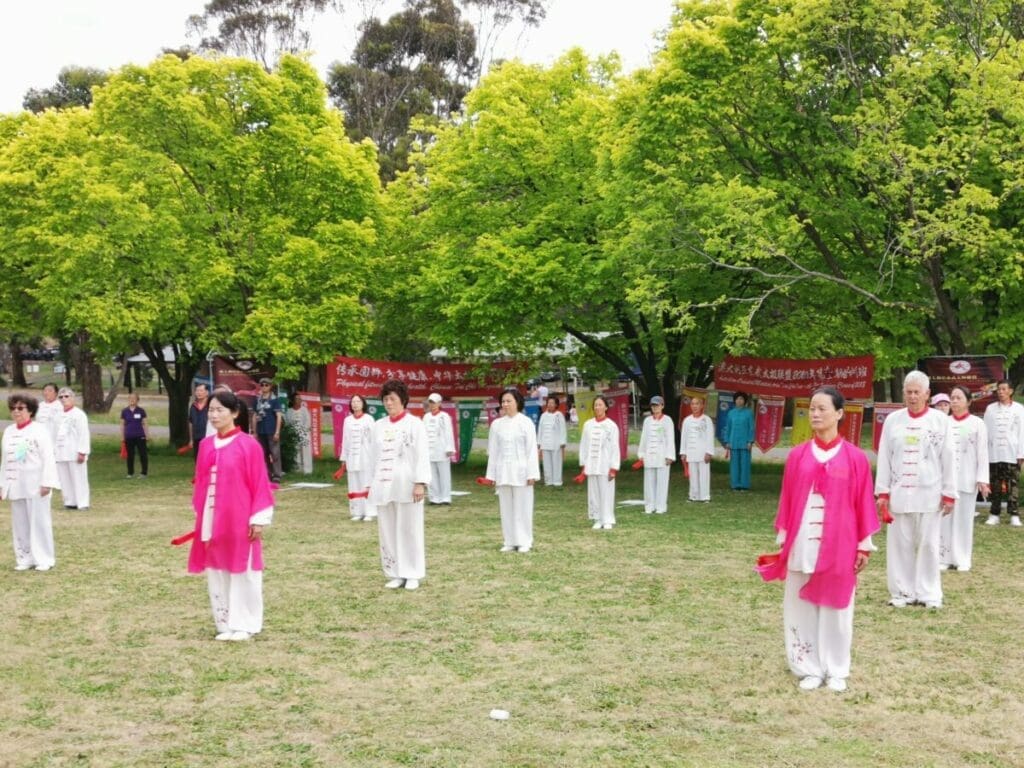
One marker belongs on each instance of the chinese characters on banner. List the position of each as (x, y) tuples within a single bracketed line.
[(312, 402), (852, 423), (979, 373), (853, 376), (768, 421), (882, 411), (618, 411), (348, 376)]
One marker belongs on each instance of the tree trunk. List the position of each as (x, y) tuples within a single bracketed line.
[(91, 376), (17, 365), (178, 383)]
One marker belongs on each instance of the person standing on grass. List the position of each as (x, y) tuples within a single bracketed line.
[(657, 451), (739, 439), (50, 411), (1004, 420), (600, 458), (696, 447), (28, 473), (441, 440), (512, 466), (400, 476), (233, 502), (970, 444), (825, 521), (134, 434), (298, 417), (197, 417), (551, 440), (267, 418), (71, 449), (915, 482), (357, 458)]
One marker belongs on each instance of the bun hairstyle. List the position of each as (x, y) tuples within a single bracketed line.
[(838, 401), (228, 399)]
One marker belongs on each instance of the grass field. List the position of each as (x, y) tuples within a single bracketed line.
[(651, 645)]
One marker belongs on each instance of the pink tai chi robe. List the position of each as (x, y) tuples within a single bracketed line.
[(232, 492), (826, 514)]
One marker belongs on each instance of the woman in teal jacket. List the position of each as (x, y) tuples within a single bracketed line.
[(739, 437)]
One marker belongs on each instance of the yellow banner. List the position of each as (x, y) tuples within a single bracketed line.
[(801, 421), (584, 406)]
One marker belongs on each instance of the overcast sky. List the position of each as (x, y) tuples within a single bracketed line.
[(42, 36)]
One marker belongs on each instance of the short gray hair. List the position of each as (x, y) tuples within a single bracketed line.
[(65, 391), (917, 377)]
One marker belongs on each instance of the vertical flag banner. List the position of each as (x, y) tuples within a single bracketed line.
[(801, 421), (768, 421), (584, 406), (618, 411), (452, 409), (469, 415), (312, 402), (491, 406), (882, 411), (375, 407), (725, 405), (339, 410), (532, 410), (684, 402), (852, 423)]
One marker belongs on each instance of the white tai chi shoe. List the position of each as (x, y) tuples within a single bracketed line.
[(809, 683), (837, 684), (395, 583), (411, 584)]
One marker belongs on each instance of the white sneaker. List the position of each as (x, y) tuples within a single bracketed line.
[(898, 602), (411, 584), (395, 583), (506, 548), (933, 604), (944, 566), (648, 511), (355, 518), (837, 684), (43, 567), (659, 511), (369, 518), (24, 567), (596, 526), (607, 526), (224, 635), (524, 549), (992, 520), (1015, 521), (809, 683), (239, 636)]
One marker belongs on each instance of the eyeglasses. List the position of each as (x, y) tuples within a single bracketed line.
[(18, 408), (265, 384), (64, 397)]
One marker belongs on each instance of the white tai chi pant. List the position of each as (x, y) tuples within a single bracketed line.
[(818, 638), (656, 489), (358, 482), (552, 461), (32, 529), (601, 499), (956, 533), (440, 489), (912, 557), (74, 483), (700, 481), (402, 547), (236, 600), (516, 505)]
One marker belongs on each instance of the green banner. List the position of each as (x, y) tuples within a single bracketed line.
[(469, 415)]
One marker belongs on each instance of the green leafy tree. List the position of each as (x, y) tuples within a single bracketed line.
[(73, 89)]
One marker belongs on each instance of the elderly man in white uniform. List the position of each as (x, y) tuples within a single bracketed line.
[(657, 450), (551, 440), (1004, 420), (915, 483), (441, 440), (696, 447), (71, 449), (401, 474)]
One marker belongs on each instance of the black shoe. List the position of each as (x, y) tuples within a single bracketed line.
[(70, 506)]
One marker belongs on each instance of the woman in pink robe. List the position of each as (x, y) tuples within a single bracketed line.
[(825, 520), (233, 502)]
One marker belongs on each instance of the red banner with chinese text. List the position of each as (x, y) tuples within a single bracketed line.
[(979, 373), (618, 411), (312, 403), (882, 411), (768, 421), (852, 376), (853, 422), (348, 376)]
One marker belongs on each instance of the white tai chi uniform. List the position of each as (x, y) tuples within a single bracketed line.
[(441, 442), (658, 450), (511, 464), (818, 637), (551, 439), (400, 461), (600, 458), (697, 440), (356, 440), (26, 466), (301, 422), (49, 416), (916, 470), (970, 443), (73, 439)]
